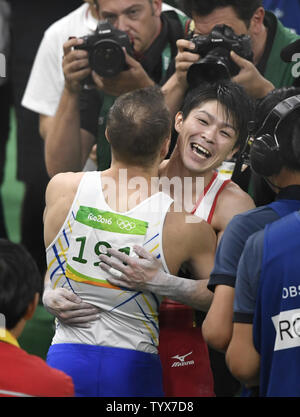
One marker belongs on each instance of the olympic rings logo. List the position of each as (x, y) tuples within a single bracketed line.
[(126, 225)]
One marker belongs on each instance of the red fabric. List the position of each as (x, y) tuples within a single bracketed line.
[(204, 192), (212, 210), (26, 374), (183, 353)]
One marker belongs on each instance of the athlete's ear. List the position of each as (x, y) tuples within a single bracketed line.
[(178, 121), (165, 148), (233, 152)]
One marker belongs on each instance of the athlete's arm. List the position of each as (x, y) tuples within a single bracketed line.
[(232, 201), (144, 273), (67, 306), (60, 192), (60, 302)]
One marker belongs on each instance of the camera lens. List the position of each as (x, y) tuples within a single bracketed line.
[(213, 67), (108, 58)]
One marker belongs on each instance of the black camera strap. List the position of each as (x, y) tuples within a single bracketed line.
[(175, 30)]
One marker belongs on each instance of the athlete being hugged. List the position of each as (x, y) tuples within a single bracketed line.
[(88, 213)]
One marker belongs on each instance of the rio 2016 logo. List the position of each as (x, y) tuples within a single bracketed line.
[(296, 66)]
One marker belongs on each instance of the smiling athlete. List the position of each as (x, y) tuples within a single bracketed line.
[(211, 127), (117, 355)]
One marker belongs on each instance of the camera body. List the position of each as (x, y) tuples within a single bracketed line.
[(214, 49), (105, 48)]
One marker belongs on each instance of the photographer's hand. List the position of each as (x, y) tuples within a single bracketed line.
[(75, 65), (175, 88), (131, 79), (249, 77), (184, 59)]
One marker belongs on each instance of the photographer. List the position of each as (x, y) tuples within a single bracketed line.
[(46, 73), (75, 127), (268, 37)]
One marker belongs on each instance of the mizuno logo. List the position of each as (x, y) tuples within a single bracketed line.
[(182, 361), (181, 358)]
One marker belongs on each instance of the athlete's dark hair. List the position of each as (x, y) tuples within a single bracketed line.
[(236, 102), (20, 280), (137, 125), (243, 8), (288, 132)]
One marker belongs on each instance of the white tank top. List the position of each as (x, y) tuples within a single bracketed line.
[(206, 204), (129, 319)]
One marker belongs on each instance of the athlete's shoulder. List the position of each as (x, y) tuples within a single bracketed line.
[(234, 191), (62, 187), (187, 228), (185, 238), (234, 199), (65, 180), (231, 201)]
